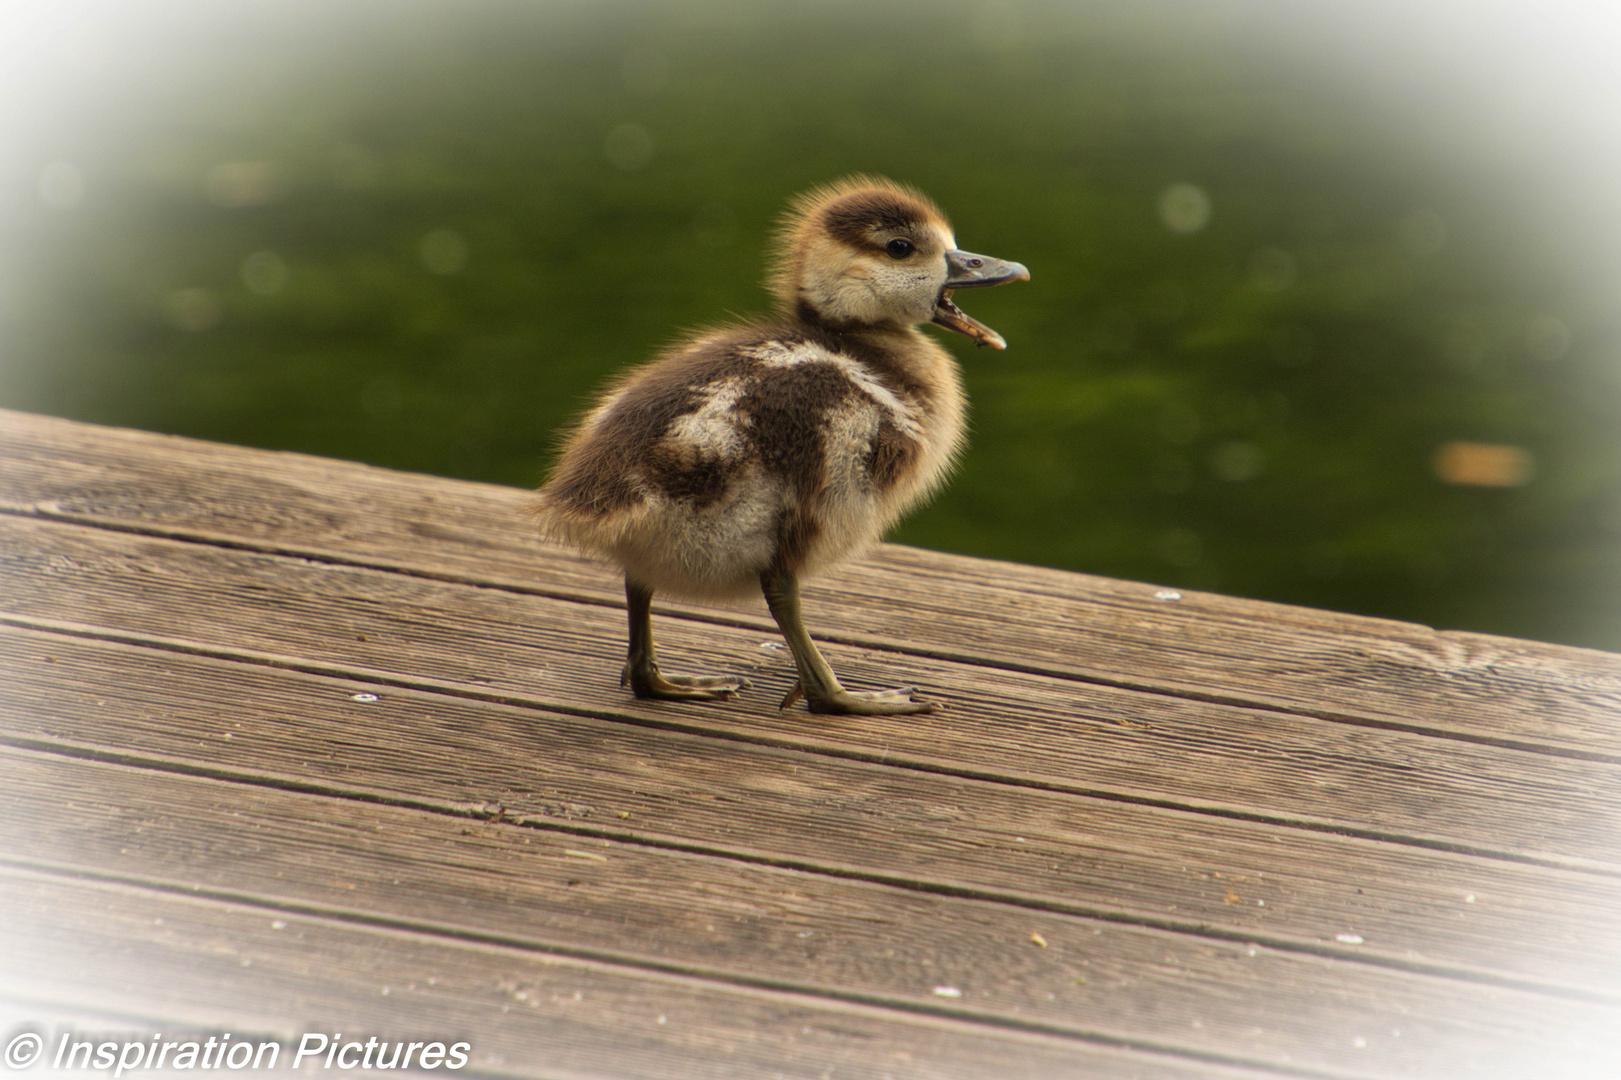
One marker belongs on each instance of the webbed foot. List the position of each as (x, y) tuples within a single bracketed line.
[(838, 700), (646, 681)]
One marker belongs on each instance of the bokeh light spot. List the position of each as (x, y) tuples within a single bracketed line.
[(1472, 464), (1184, 208)]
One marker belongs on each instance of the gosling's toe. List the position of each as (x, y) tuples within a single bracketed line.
[(647, 681), (897, 702), (836, 700)]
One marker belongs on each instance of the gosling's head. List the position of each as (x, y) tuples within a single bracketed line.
[(868, 252)]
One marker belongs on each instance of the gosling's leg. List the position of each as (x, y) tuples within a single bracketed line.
[(821, 688), (641, 671)]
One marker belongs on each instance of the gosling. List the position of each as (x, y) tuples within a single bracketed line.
[(751, 455)]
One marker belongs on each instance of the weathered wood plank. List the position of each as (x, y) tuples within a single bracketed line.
[(1041, 851), (1025, 618), (782, 929), (211, 964), (1023, 728)]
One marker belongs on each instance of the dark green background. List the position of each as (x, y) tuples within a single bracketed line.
[(1252, 407)]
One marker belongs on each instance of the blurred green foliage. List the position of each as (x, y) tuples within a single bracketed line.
[(423, 238)]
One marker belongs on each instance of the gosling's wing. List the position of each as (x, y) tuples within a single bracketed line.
[(778, 411), (616, 458)]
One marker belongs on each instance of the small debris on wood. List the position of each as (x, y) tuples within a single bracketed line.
[(593, 856)]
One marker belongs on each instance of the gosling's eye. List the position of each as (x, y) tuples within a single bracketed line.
[(899, 248)]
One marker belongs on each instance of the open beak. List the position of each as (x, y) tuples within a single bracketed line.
[(965, 270)]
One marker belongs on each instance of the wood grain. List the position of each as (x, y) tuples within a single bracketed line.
[(1039, 851), (766, 927), (1027, 729), (1477, 686), (276, 974), (287, 743)]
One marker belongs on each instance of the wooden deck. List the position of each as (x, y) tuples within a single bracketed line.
[(292, 745)]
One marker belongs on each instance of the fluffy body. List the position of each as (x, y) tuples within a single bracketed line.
[(784, 445)]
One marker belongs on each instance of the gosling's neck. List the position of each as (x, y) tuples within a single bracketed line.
[(806, 313), (909, 360)]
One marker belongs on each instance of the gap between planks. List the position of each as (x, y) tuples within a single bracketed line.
[(1196, 929), (1036, 731), (887, 758), (1135, 764), (1218, 843), (501, 889), (742, 621), (526, 1003), (1350, 666)]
